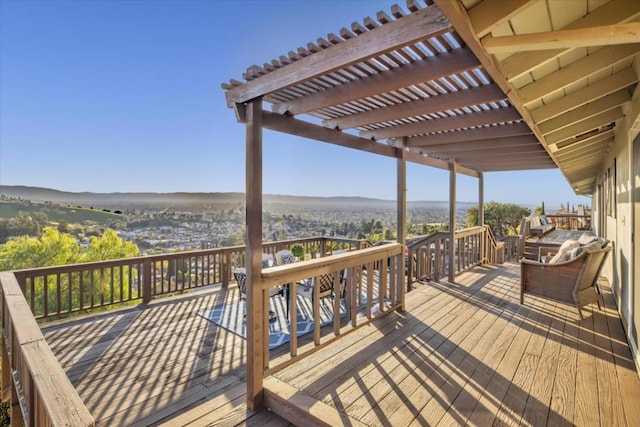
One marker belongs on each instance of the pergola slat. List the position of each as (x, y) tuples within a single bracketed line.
[(393, 35), (454, 122), (433, 104), (478, 134), (393, 79), (488, 144)]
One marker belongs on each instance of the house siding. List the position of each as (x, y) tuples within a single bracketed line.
[(620, 226)]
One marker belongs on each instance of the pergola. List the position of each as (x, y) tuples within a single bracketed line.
[(470, 86)]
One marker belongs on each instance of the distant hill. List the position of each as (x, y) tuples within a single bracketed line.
[(124, 201)]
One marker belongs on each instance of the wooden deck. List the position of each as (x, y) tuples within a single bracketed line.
[(462, 353)]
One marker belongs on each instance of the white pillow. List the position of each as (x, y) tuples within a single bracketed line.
[(568, 245), (585, 239), (560, 257)]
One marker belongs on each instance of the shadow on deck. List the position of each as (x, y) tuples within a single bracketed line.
[(462, 353)]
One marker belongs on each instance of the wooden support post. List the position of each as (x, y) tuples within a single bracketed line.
[(483, 256), (402, 223), (256, 315), (452, 219)]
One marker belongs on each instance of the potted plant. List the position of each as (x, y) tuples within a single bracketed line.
[(297, 250)]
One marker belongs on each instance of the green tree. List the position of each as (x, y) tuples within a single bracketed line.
[(502, 218), (52, 248), (110, 246)]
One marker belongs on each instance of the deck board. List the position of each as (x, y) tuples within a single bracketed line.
[(462, 353), (474, 355)]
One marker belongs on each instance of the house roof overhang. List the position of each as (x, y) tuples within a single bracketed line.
[(488, 84)]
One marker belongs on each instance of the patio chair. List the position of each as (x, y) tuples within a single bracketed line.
[(240, 275), (574, 281), (326, 282)]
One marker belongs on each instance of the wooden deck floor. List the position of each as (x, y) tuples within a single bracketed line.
[(462, 353)]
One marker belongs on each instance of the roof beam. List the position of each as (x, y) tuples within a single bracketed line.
[(617, 81), (605, 35), (433, 104), (612, 12), (496, 157), (431, 68), (601, 136), (489, 144), (468, 135), (582, 154), (453, 122), (489, 13), (586, 111), (578, 70), (427, 22), (586, 125)]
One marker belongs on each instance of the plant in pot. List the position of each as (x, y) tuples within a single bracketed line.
[(297, 250)]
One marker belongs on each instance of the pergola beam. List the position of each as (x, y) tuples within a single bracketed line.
[(437, 125), (467, 135), (604, 35), (427, 22), (433, 104), (431, 68), (293, 126)]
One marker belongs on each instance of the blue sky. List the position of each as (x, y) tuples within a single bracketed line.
[(125, 96)]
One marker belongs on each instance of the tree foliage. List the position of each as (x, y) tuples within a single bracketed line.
[(502, 218), (56, 248)]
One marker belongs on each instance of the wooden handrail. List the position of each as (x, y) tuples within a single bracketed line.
[(356, 273), (61, 290), (32, 379)]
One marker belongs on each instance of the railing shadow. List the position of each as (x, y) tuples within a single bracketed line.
[(429, 374), (148, 362)]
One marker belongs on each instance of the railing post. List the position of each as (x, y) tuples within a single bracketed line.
[(323, 247), (146, 280), (224, 269)]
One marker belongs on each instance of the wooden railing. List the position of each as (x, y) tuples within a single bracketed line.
[(513, 246), (32, 379), (570, 221), (361, 292), (62, 290), (428, 257)]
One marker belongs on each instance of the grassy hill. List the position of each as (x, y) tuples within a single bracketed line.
[(57, 213), (200, 201)]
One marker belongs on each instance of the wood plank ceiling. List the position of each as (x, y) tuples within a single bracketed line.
[(490, 84)]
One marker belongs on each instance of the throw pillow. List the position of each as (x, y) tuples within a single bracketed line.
[(568, 245), (575, 252), (561, 256), (585, 239)]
